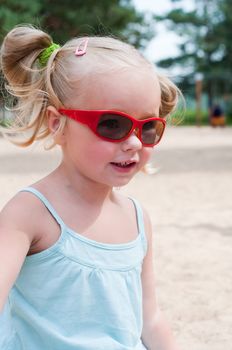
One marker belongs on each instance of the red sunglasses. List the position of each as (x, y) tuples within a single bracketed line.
[(117, 126)]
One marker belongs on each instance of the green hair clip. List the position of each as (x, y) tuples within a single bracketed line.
[(46, 53)]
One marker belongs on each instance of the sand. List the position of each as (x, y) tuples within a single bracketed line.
[(189, 198)]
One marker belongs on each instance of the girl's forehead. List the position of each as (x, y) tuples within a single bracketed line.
[(128, 90)]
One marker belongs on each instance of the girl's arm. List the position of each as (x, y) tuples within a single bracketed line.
[(156, 334), (14, 246)]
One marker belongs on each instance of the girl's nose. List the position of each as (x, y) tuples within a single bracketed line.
[(132, 142)]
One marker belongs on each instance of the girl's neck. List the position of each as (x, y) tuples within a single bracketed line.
[(82, 188)]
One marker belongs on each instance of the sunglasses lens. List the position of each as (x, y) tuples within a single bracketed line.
[(113, 126), (152, 132)]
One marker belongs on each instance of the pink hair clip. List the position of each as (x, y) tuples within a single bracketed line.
[(81, 48)]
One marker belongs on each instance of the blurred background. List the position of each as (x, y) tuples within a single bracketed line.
[(189, 39), (188, 192)]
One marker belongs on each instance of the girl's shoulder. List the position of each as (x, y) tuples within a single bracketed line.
[(25, 213), (22, 212), (133, 207)]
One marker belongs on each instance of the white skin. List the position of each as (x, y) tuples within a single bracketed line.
[(85, 179)]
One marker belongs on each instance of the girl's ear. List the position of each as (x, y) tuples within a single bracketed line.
[(55, 125)]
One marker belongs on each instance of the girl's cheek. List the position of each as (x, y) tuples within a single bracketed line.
[(148, 153)]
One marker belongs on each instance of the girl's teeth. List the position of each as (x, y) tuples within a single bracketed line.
[(123, 164)]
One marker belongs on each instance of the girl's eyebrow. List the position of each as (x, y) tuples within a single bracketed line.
[(149, 115), (144, 116)]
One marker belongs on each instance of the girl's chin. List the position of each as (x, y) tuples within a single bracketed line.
[(122, 182)]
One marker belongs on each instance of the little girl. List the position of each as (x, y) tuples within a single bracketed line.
[(76, 256)]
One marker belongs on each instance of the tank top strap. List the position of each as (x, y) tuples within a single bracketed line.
[(140, 223), (47, 204)]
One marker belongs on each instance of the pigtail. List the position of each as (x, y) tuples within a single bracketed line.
[(20, 49), (25, 82), (170, 95)]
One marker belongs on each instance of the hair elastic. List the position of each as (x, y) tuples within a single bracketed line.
[(82, 47), (46, 53)]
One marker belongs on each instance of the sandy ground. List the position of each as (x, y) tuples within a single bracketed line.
[(189, 198)]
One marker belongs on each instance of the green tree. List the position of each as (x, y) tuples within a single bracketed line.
[(14, 12), (206, 46), (69, 18)]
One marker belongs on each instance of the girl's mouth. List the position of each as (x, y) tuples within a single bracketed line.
[(124, 164)]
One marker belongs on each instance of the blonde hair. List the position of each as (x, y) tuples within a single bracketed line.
[(34, 88)]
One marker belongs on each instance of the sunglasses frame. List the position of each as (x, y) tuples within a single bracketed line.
[(91, 119)]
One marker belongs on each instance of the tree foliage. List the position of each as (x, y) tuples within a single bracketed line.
[(206, 46), (69, 18)]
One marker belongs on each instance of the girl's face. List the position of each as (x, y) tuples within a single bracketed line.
[(112, 164)]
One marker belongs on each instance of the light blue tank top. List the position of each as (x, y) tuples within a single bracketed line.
[(79, 294)]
